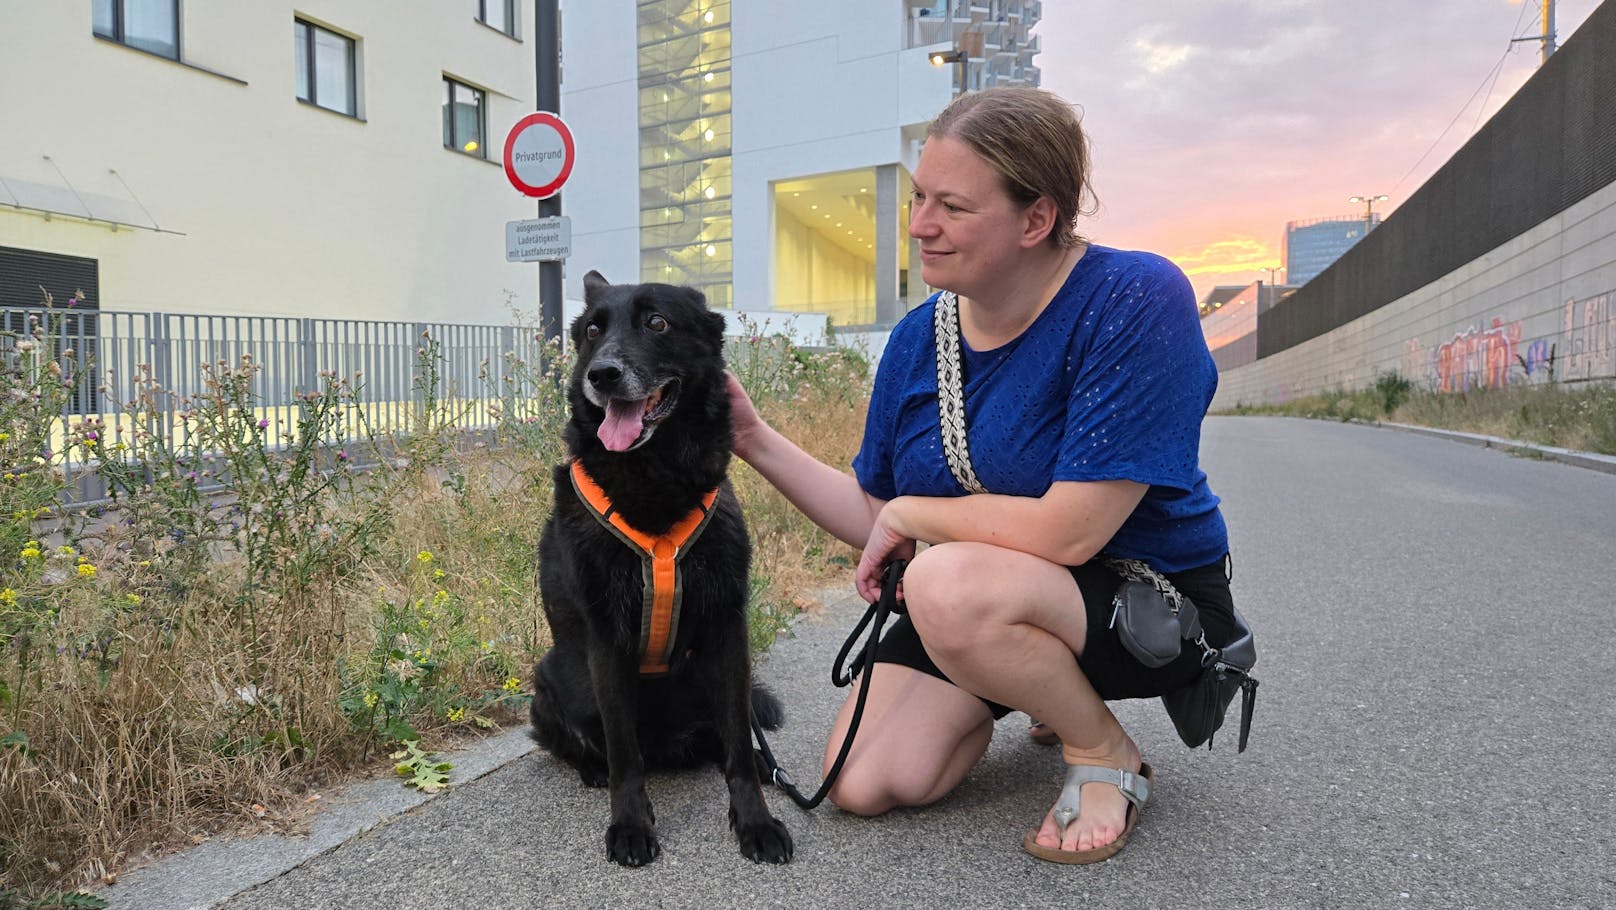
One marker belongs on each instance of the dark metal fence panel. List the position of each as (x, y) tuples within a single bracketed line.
[(1551, 146)]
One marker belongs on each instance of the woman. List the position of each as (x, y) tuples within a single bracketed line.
[(1085, 381)]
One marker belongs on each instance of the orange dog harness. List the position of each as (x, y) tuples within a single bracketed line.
[(662, 590)]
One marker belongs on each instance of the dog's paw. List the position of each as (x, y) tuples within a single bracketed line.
[(766, 841), (593, 775), (632, 845)]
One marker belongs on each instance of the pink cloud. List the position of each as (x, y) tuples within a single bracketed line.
[(1213, 124)]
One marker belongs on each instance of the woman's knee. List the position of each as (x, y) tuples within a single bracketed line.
[(861, 796), (945, 591), (867, 790)]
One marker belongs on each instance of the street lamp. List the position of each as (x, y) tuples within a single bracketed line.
[(943, 58), (1369, 209), (1272, 270)]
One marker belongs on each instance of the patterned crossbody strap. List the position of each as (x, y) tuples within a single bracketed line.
[(951, 394), (951, 410)]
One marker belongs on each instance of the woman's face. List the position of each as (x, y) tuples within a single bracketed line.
[(970, 230)]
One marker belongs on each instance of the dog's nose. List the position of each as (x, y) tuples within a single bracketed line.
[(604, 375)]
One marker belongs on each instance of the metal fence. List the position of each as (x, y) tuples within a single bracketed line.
[(150, 369)]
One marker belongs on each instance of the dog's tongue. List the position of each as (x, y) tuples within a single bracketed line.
[(622, 424)]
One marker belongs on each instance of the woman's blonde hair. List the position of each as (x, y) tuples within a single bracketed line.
[(1034, 140)]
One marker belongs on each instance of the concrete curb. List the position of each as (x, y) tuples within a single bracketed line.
[(209, 874), (1590, 460)]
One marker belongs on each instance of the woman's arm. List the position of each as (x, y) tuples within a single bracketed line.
[(1068, 525), (829, 498)]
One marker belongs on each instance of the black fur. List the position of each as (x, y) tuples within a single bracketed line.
[(591, 707)]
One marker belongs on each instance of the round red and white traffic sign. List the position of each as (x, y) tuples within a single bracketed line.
[(539, 154)]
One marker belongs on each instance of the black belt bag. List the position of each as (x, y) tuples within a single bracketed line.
[(1153, 621)]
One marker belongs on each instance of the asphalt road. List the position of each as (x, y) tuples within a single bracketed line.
[(1435, 728)]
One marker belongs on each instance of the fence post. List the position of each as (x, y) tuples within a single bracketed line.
[(159, 361), (311, 363)]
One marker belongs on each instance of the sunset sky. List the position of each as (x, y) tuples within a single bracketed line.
[(1214, 122)]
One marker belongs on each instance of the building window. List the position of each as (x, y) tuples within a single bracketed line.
[(500, 14), (685, 152), (325, 68), (150, 25), (464, 118)]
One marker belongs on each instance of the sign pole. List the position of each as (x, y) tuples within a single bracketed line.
[(547, 64)]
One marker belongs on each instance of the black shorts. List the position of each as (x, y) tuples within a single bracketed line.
[(1113, 672)]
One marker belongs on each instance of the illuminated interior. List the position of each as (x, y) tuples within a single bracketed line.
[(824, 244), (685, 188)]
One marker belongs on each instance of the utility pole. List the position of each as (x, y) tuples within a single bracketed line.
[(547, 65), (1547, 38), (1548, 30)]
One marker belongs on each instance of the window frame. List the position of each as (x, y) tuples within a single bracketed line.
[(120, 30), (453, 141), (509, 30), (312, 71)]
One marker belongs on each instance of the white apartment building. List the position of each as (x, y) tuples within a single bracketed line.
[(770, 143), (342, 157), (318, 158)]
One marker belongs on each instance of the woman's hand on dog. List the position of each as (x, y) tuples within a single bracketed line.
[(887, 543), (745, 424)]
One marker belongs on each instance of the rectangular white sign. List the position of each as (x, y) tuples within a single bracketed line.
[(538, 239)]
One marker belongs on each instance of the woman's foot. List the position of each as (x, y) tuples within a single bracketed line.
[(1103, 809), (1042, 734)]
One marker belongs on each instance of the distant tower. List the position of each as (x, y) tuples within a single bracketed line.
[(1310, 246)]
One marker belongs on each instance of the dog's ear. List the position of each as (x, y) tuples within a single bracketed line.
[(715, 326), (594, 284)]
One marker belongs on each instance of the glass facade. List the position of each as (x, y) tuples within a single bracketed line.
[(1311, 246), (685, 128)]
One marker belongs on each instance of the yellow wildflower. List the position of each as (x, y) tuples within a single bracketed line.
[(438, 573), (440, 597), (425, 556), (30, 553), (86, 570), (8, 596), (512, 684), (456, 714), (371, 698), (132, 599)]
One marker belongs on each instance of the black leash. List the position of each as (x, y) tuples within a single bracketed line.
[(840, 676)]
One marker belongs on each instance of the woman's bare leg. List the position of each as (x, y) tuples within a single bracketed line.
[(1005, 625), (917, 740)]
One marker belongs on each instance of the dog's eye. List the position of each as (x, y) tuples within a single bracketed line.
[(656, 323), (591, 331)]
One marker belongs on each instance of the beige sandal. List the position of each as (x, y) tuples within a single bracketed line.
[(1134, 786)]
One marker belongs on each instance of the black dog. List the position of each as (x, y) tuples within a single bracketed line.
[(650, 426)]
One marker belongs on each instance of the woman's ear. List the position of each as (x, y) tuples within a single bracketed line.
[(1038, 221)]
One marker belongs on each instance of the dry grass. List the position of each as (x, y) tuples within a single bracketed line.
[(1580, 417)]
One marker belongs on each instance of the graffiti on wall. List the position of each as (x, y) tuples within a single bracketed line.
[(1486, 357), (1590, 344), (1477, 358)]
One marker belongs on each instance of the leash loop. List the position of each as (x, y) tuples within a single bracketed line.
[(840, 675)]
